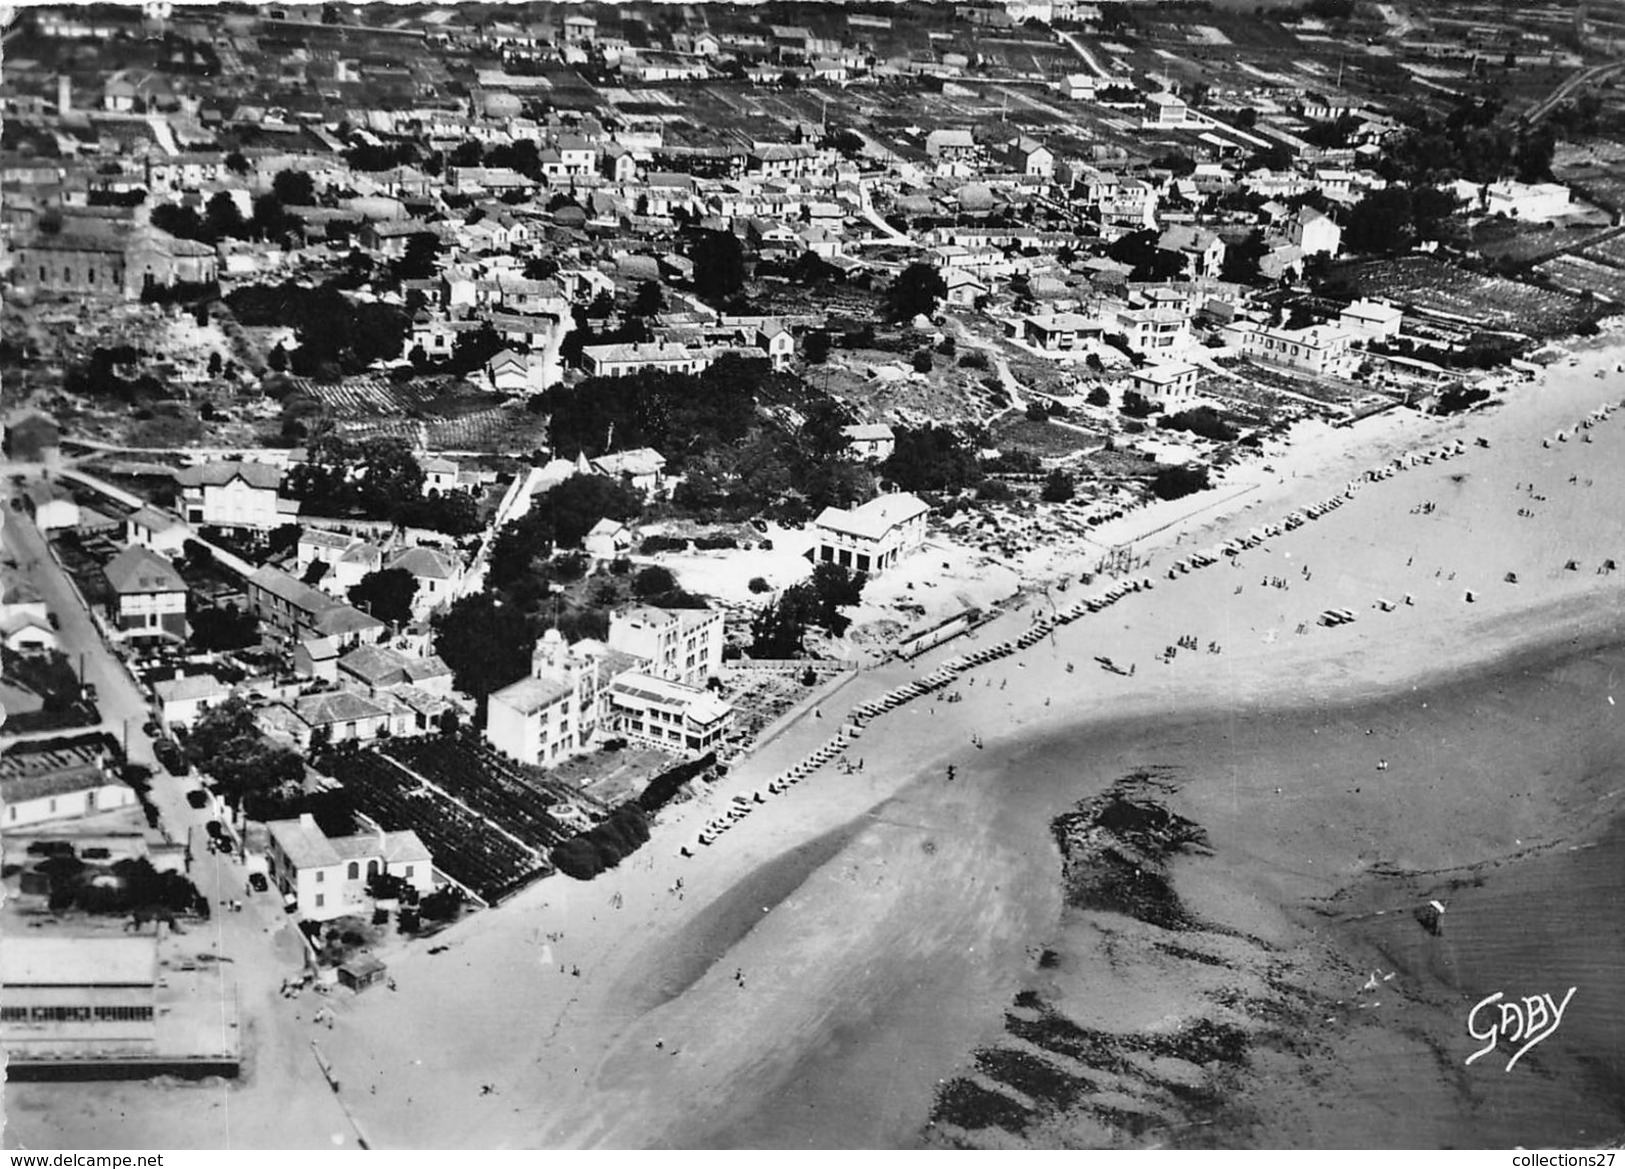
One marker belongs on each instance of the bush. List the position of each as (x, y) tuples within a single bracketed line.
[(922, 361), (586, 855), (1177, 482), (713, 543), (758, 584), (1203, 420), (995, 491), (653, 581), (1058, 488), (653, 545), (1099, 396), (973, 361), (1137, 405)]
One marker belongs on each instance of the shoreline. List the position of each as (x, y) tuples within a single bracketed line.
[(880, 965)]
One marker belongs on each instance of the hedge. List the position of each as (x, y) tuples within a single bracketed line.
[(665, 786)]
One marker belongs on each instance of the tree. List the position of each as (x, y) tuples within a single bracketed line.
[(1058, 487), (421, 259), (922, 361), (1099, 396), (222, 628), (216, 364), (915, 292), (386, 594), (294, 188), (226, 744), (485, 642), (236, 163), (652, 581), (277, 359), (222, 219), (932, 458), (815, 347), (651, 299), (1137, 405), (719, 265), (1241, 259)]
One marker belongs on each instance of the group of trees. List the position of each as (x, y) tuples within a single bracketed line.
[(227, 745), (486, 643), (916, 292), (605, 845), (372, 475), (387, 594), (1139, 250), (678, 414), (336, 335), (1397, 218), (559, 518), (780, 629)]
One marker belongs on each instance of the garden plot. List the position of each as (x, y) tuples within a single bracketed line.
[(1430, 286), (1582, 276), (1610, 251)]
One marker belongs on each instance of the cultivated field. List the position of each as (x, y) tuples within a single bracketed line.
[(1426, 285)]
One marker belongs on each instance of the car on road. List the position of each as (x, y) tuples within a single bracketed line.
[(89, 690), (215, 829), (198, 798), (257, 882), (169, 754)]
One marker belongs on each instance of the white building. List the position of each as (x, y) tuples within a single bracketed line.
[(676, 717), (1314, 233), (40, 787), (552, 714), (232, 495), (1154, 332), (1322, 350), (182, 700), (1169, 384), (441, 575), (1164, 109), (158, 530), (871, 442), (873, 537), (684, 645), (1372, 320), (327, 877)]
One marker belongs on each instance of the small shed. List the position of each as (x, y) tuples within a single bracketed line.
[(362, 971)]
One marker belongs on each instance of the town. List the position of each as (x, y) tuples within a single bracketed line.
[(454, 450)]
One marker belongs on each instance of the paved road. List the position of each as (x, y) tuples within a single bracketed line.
[(119, 701), (1088, 57)]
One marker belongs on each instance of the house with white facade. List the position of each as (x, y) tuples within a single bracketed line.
[(182, 700), (441, 575), (671, 715), (326, 877), (872, 537), (553, 713), (58, 783), (233, 495), (1170, 384), (870, 442), (1372, 320), (1322, 350), (161, 531)]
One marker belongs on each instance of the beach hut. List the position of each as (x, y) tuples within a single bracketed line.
[(361, 972)]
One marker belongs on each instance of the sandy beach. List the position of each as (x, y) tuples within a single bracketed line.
[(829, 963)]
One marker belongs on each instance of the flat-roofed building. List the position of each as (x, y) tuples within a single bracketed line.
[(684, 645), (74, 996), (667, 714), (873, 537)]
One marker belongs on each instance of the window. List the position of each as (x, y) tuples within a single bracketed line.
[(321, 876), (321, 899), (355, 870), (408, 871)]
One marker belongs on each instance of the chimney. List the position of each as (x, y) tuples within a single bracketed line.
[(64, 95)]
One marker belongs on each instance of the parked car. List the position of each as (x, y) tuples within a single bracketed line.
[(257, 882), (215, 829), (197, 798), (169, 754)]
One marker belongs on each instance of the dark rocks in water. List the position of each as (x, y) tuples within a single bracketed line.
[(967, 1104), (1033, 1077), (1115, 847)]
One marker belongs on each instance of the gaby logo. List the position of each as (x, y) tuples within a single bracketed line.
[(1528, 1020)]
